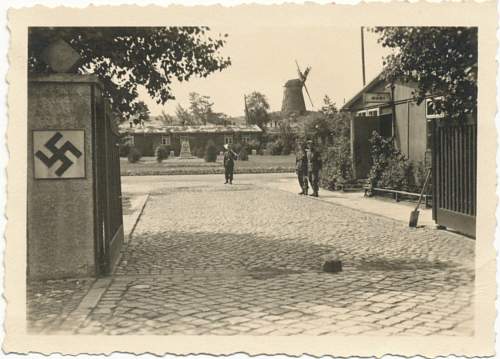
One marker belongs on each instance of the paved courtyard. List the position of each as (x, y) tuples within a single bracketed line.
[(209, 258)]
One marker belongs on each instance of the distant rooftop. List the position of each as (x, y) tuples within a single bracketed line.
[(155, 128)]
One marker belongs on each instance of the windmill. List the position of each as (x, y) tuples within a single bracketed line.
[(293, 98)]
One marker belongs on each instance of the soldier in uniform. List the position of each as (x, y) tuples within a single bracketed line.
[(301, 167), (229, 158), (314, 165)]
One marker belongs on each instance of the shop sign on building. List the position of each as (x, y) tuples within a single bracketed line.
[(377, 97)]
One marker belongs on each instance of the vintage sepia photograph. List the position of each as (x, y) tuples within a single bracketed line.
[(229, 212), (259, 181)]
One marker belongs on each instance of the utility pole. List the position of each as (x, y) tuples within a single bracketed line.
[(363, 55), (247, 114), (246, 109)]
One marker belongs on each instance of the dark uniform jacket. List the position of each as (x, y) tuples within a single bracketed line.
[(301, 162), (229, 157), (314, 161)]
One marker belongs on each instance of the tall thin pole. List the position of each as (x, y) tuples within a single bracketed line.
[(246, 109), (363, 55)]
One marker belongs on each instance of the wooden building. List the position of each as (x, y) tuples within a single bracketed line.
[(448, 147), (146, 138), (408, 122)]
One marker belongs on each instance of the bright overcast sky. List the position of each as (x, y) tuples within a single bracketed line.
[(263, 59)]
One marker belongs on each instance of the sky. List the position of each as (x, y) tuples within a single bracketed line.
[(263, 59)]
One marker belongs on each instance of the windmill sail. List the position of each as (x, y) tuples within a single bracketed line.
[(309, 96)]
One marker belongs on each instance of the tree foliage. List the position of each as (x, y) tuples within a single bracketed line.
[(329, 108), (332, 130), (256, 109), (126, 57), (184, 117), (141, 114), (219, 118), (201, 107), (329, 125), (441, 60), (287, 137), (200, 112), (166, 118)]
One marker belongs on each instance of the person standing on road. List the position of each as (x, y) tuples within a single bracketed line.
[(301, 167), (229, 158), (314, 165)]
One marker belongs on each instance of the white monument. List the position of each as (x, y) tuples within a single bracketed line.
[(185, 148)]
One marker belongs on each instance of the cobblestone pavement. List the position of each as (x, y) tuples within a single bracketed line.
[(245, 259), (208, 258), (50, 302)]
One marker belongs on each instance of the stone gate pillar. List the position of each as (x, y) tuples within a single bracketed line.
[(63, 236), (60, 200)]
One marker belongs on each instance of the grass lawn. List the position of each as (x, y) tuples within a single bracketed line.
[(175, 166)]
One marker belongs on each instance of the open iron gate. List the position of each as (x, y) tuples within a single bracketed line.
[(454, 175), (107, 187)]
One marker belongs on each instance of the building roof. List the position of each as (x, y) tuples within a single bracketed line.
[(152, 129), (347, 106)]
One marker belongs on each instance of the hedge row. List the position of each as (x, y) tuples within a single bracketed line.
[(206, 171)]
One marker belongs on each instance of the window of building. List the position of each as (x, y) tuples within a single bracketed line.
[(430, 111), (370, 113), (245, 138), (165, 140), (228, 139)]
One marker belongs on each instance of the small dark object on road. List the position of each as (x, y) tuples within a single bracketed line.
[(332, 266)]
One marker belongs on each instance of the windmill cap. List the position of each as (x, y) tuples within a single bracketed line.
[(294, 83)]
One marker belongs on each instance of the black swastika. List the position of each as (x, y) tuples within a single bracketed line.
[(58, 154)]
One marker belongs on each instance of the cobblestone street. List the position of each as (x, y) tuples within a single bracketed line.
[(209, 258)]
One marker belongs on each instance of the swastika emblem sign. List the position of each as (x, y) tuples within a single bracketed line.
[(59, 154)]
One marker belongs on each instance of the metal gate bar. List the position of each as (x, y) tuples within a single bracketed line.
[(454, 174)]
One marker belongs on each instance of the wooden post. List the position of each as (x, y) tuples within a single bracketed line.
[(363, 55)]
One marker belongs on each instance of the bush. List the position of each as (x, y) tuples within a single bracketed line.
[(237, 147), (243, 154), (253, 145), (124, 149), (134, 155), (274, 148), (199, 152), (396, 175), (162, 152), (210, 152), (337, 164), (419, 173), (390, 169), (287, 137), (286, 149)]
